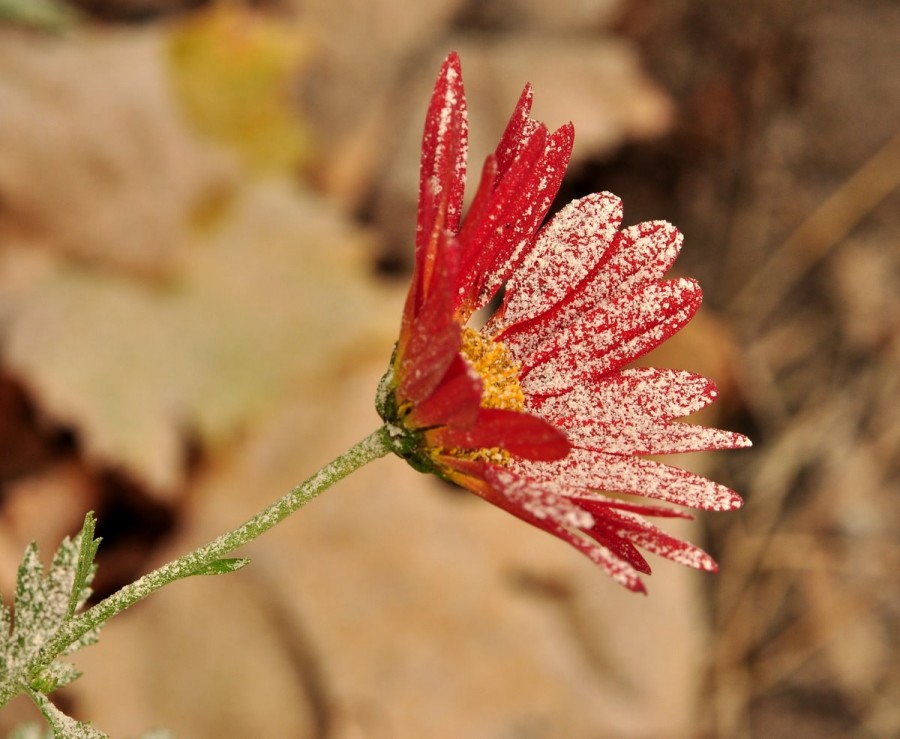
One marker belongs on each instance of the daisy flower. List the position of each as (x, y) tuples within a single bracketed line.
[(538, 411)]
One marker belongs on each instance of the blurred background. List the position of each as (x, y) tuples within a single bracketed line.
[(206, 215)]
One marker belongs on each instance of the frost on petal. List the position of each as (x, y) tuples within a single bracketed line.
[(627, 526), (540, 503), (518, 130), (630, 412), (529, 501), (566, 250), (643, 253), (640, 255), (537, 197), (604, 340), (592, 470), (636, 257), (442, 170), (502, 231)]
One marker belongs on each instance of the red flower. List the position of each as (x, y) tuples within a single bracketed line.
[(536, 412)]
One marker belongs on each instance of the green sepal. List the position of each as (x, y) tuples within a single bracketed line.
[(385, 403)]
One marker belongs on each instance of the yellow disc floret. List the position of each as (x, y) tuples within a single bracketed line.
[(500, 385), (499, 372)]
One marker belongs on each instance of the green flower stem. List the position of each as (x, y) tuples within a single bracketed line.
[(372, 447)]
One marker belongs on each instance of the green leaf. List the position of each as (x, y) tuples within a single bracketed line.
[(86, 568), (223, 566), (42, 604), (65, 727)]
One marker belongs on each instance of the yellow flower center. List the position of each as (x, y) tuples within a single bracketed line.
[(500, 385), (499, 372)]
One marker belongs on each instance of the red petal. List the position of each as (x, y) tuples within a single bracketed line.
[(479, 210), (629, 412), (644, 534), (425, 362), (498, 240), (620, 546), (520, 434), (604, 340), (442, 170), (532, 201), (600, 471), (514, 493), (442, 174), (495, 225), (428, 346), (637, 256), (599, 504), (564, 255), (456, 400), (519, 128)]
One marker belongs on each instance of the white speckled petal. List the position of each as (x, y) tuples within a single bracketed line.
[(630, 412), (538, 501), (643, 254), (644, 534), (606, 339), (614, 473), (558, 521), (566, 251), (522, 203)]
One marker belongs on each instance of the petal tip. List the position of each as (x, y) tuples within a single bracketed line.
[(734, 503), (637, 586), (451, 61)]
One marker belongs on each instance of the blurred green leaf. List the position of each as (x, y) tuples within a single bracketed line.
[(233, 69), (49, 15)]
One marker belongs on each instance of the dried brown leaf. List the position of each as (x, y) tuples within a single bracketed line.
[(274, 295), (97, 163)]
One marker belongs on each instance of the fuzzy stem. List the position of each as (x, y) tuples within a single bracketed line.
[(372, 447)]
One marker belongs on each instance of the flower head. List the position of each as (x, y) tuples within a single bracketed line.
[(537, 412)]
